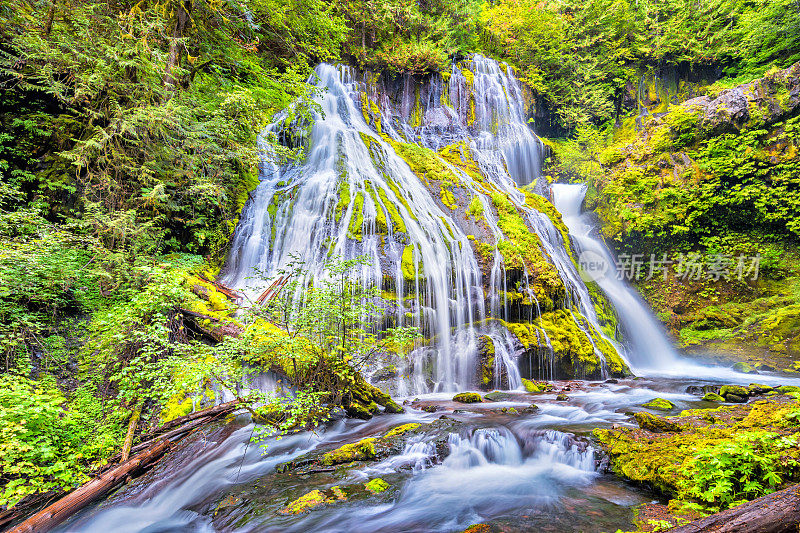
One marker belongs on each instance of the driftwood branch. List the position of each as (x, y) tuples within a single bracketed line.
[(56, 513), (778, 512)]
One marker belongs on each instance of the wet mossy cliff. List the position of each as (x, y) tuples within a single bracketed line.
[(712, 183), (434, 123)]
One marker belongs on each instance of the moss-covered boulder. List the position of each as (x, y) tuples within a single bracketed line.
[(659, 404), (744, 368), (562, 397), (376, 486), (655, 424), (786, 389), (713, 397), (467, 397), (735, 398), (363, 450), (530, 386), (758, 388), (734, 390), (401, 430)]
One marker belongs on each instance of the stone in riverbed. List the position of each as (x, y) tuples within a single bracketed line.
[(745, 368), (467, 397), (659, 404), (498, 396), (713, 397), (736, 390), (376, 486), (788, 388), (562, 397), (758, 388), (655, 424), (735, 398), (363, 450)]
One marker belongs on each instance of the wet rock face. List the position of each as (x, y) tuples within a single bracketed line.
[(760, 103), (655, 424)]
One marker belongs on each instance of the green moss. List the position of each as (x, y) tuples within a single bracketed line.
[(376, 486), (713, 397), (467, 397), (305, 503), (410, 269), (475, 209), (448, 199), (530, 386), (659, 404), (357, 218), (362, 450), (401, 430), (380, 215), (398, 226), (733, 389), (672, 461)]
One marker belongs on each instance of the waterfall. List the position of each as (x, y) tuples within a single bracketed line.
[(437, 182), (649, 347)]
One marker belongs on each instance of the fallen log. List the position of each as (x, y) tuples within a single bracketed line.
[(227, 291), (778, 512), (73, 502), (215, 330)]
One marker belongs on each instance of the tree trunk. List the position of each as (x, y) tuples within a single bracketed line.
[(182, 18), (778, 512), (51, 13), (126, 447), (56, 513)]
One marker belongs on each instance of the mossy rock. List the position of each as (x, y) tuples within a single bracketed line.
[(305, 503), (467, 397), (736, 390), (376, 486), (479, 528), (363, 450), (562, 397), (655, 424), (498, 396), (758, 388), (735, 398), (530, 386), (713, 397), (786, 389), (401, 430), (744, 368), (660, 404)]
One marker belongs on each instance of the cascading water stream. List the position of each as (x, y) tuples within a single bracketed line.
[(649, 347)]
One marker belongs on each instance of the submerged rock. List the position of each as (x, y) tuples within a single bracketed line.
[(655, 424), (562, 397), (376, 486), (745, 368), (467, 397), (660, 404)]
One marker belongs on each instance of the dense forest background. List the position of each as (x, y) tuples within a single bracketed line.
[(128, 147)]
